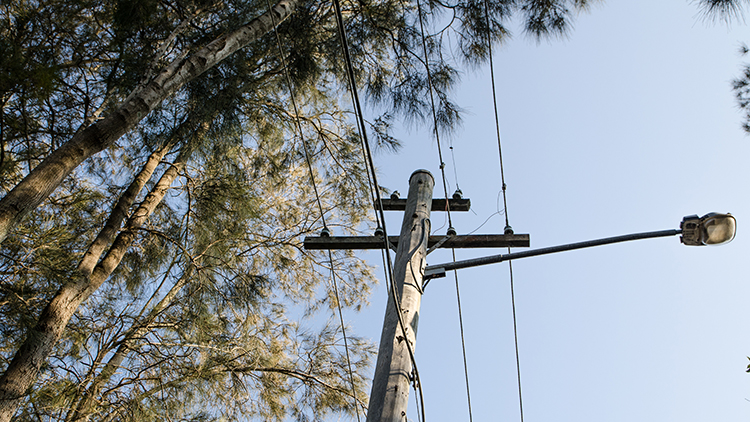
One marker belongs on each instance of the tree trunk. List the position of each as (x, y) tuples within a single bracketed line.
[(24, 369), (48, 175), (120, 212)]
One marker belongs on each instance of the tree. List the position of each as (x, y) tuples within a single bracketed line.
[(106, 105), (196, 122), (214, 269)]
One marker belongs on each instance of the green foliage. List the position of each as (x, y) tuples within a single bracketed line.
[(43, 252), (213, 300)]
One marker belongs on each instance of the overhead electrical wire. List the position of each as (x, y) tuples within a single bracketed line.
[(434, 112), (455, 167), (463, 337), (368, 156), (451, 229), (507, 229), (322, 213)]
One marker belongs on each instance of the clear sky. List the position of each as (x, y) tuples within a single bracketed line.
[(626, 126)]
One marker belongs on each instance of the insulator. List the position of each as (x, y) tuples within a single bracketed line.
[(325, 232), (458, 194), (379, 231), (508, 230), (451, 231), (395, 195)]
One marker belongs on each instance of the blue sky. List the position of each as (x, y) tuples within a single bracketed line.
[(626, 126)]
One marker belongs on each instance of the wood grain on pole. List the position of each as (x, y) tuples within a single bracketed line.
[(393, 370)]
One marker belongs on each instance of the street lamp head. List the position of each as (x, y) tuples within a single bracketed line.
[(711, 229)]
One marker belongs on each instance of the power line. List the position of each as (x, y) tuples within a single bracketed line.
[(320, 207), (368, 156), (451, 229), (463, 338), (455, 167), (434, 112), (515, 339), (508, 229)]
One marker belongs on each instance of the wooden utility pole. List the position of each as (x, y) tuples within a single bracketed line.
[(393, 371)]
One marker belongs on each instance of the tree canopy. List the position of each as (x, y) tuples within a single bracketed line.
[(157, 181)]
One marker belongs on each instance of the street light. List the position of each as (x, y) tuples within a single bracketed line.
[(711, 229)]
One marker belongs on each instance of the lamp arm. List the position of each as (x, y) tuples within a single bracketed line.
[(439, 270)]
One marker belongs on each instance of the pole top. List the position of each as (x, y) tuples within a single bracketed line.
[(422, 171)]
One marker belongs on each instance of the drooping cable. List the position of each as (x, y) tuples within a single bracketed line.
[(320, 207), (508, 228), (445, 191), (419, 416), (368, 155)]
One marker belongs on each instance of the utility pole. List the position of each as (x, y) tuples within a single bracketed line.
[(393, 370)]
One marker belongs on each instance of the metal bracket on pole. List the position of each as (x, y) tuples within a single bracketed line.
[(439, 244)]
